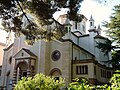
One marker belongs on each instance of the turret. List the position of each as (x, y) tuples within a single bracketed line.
[(91, 23), (67, 26), (99, 30)]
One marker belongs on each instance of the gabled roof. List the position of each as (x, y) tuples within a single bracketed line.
[(27, 51)]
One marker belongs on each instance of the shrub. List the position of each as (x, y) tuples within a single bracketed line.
[(39, 82)]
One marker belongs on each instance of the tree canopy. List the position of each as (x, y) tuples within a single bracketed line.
[(114, 33), (13, 11), (114, 25)]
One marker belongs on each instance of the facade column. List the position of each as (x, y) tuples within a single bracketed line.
[(29, 68), (14, 77)]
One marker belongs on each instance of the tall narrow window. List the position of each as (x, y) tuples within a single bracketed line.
[(75, 25), (101, 72), (66, 29), (82, 69), (94, 70), (91, 24), (86, 69), (108, 74), (77, 70)]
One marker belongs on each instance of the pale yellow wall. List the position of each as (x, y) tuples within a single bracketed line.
[(87, 76), (91, 72), (2, 46), (80, 54), (6, 67), (64, 63)]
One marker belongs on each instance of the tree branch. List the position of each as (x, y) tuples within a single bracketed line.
[(23, 11)]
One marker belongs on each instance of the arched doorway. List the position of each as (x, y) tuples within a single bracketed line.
[(21, 70), (56, 73)]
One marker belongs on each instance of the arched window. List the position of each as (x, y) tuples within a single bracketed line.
[(10, 60), (66, 29)]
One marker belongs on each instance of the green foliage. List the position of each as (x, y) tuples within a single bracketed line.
[(79, 84), (115, 81), (114, 25), (39, 82), (115, 59), (42, 82), (84, 85), (105, 46), (13, 11)]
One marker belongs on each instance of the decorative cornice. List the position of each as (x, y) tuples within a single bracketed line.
[(92, 30), (77, 32), (8, 47), (27, 51), (74, 34), (85, 35), (92, 61), (21, 58), (65, 40), (99, 36)]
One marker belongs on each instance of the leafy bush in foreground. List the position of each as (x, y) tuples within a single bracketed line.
[(42, 82), (39, 82)]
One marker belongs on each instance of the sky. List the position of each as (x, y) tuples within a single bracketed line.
[(99, 12)]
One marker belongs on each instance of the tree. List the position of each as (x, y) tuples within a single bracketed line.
[(115, 59), (105, 47), (12, 12), (114, 33), (39, 82), (114, 25)]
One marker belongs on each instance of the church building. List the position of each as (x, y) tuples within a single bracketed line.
[(75, 55)]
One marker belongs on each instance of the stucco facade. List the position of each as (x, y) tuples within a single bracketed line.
[(73, 56), (2, 46)]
